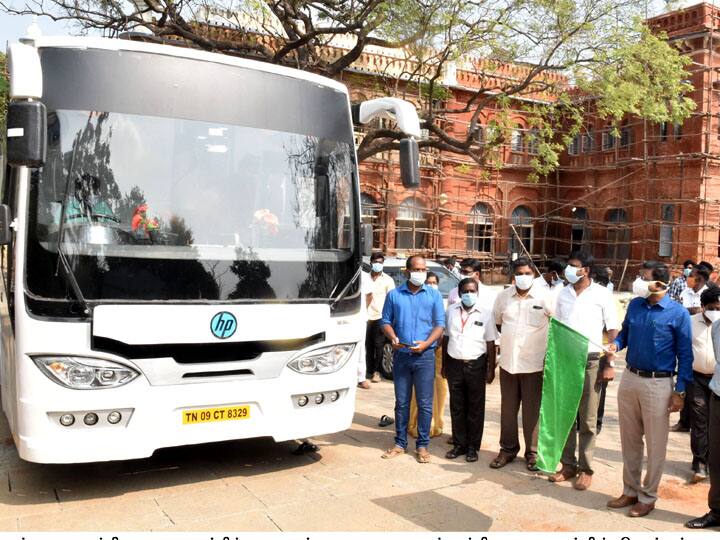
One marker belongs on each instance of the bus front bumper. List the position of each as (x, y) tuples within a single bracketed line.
[(152, 416)]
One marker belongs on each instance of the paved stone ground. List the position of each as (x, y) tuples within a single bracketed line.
[(259, 485)]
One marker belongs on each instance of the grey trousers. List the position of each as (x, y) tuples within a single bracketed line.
[(643, 411), (580, 444), (517, 389)]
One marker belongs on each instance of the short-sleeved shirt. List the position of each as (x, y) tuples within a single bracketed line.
[(588, 313), (524, 322), (486, 296), (413, 316), (691, 299), (379, 287), (703, 353), (468, 331)]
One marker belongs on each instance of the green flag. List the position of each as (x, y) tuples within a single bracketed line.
[(563, 383)]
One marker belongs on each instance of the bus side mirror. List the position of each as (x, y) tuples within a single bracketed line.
[(5, 220), (410, 163), (366, 239), (26, 134)]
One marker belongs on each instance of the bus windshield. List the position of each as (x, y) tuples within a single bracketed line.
[(154, 208)]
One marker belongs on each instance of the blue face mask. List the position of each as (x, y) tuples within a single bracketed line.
[(468, 299), (687, 272), (377, 267)]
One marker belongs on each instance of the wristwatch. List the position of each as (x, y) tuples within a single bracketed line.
[(681, 394)]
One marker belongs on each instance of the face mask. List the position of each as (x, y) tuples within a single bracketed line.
[(610, 287), (713, 316), (571, 274), (432, 286), (469, 299), (687, 271), (641, 288), (523, 282), (418, 278), (377, 267)]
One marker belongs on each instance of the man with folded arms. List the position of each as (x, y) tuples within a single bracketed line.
[(658, 336)]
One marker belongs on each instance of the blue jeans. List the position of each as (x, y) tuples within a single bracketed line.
[(416, 370)]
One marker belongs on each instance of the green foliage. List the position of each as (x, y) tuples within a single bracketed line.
[(643, 76)]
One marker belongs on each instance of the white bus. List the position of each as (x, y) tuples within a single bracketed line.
[(180, 249)]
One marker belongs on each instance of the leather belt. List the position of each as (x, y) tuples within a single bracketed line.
[(651, 374)]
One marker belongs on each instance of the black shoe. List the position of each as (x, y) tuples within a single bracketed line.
[(708, 520), (472, 455), (455, 452), (679, 428), (531, 464)]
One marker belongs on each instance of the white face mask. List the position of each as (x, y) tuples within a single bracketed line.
[(418, 278), (523, 282), (432, 285), (571, 274), (641, 288), (712, 315)]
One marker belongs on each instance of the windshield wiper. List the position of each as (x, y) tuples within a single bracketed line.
[(345, 289), (62, 258)]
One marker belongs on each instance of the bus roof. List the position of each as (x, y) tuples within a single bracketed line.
[(182, 52)]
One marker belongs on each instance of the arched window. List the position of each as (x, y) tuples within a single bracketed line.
[(579, 234), (533, 144), (516, 139), (666, 230), (368, 209), (521, 219), (480, 228), (411, 225), (618, 234)]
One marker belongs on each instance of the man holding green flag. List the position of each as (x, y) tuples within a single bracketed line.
[(587, 308)]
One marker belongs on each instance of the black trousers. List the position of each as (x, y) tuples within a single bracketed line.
[(466, 382), (701, 394), (714, 454), (374, 344), (686, 412)]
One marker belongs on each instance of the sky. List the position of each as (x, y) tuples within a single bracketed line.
[(12, 27)]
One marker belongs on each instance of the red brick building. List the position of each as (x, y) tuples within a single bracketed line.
[(651, 193)]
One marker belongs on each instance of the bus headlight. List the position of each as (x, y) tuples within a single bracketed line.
[(325, 360), (84, 373)]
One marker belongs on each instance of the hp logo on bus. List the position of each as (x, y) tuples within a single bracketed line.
[(223, 325)]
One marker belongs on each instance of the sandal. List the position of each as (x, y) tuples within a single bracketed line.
[(501, 460), (422, 456), (305, 447), (393, 452), (385, 421)]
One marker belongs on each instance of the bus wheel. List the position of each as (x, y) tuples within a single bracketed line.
[(386, 366)]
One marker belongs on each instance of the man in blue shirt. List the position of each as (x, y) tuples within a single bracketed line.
[(658, 336), (413, 319)]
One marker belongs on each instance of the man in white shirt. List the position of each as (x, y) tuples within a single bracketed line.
[(468, 364), (380, 285), (521, 313), (696, 285), (712, 518), (472, 268), (703, 369), (588, 308)]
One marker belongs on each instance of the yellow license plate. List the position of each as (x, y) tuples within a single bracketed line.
[(217, 414)]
